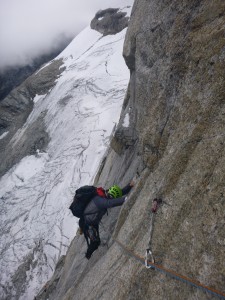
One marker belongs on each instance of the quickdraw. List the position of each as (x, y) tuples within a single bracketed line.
[(172, 273), (148, 254), (149, 261)]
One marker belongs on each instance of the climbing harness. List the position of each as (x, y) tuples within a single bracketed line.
[(148, 254)]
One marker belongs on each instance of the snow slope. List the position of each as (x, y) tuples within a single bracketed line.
[(81, 111)]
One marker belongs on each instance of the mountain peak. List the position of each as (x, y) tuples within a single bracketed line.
[(110, 21)]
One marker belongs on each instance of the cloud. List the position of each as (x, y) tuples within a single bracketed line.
[(29, 28)]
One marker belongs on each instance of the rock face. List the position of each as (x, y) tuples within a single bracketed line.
[(175, 139), (109, 21), (15, 109)]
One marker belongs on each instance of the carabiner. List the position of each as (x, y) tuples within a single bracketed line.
[(147, 256)]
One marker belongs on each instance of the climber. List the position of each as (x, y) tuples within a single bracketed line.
[(96, 209)]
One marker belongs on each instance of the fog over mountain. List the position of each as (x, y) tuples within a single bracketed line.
[(30, 28)]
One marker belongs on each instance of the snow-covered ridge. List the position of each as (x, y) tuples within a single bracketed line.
[(80, 113)]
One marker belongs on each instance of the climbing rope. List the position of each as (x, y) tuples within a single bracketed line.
[(149, 261), (172, 273)]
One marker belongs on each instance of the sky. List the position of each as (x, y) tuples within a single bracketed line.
[(29, 28)]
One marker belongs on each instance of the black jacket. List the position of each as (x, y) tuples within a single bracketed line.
[(98, 206)]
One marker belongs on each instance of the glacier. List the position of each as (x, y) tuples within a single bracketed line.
[(80, 113)]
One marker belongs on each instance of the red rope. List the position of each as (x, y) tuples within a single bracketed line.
[(172, 273)]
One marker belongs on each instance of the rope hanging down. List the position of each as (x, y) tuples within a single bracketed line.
[(149, 260)]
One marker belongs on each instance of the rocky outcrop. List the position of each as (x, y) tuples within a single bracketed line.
[(14, 111), (176, 106), (109, 21)]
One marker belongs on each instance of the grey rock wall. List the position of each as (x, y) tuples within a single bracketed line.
[(176, 101)]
